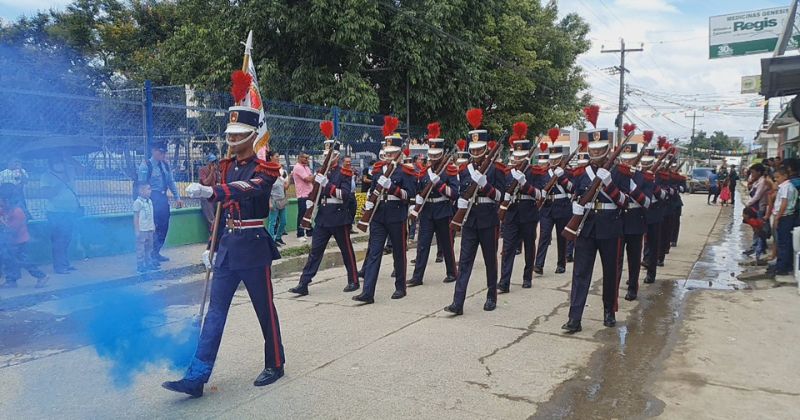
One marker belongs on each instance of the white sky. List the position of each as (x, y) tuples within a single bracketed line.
[(673, 76)]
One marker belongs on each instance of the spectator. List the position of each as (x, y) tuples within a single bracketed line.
[(351, 205), (713, 187), (303, 179), (209, 176), (277, 202), (144, 226), (783, 215), (156, 172), (733, 178), (759, 195), (63, 208), (366, 177), (15, 239), (17, 177)]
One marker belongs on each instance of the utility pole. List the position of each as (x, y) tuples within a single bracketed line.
[(694, 117), (622, 50)]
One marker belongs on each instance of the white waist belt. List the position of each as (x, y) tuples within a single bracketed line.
[(633, 205), (604, 206), (393, 198), (437, 200), (557, 196), (525, 197), (484, 200), (333, 200)]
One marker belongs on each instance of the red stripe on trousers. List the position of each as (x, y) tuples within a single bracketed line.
[(350, 252), (271, 308)]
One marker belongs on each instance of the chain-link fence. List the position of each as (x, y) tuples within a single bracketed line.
[(116, 127)]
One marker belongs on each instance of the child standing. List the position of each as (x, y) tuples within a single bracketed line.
[(783, 213), (144, 226), (15, 238)]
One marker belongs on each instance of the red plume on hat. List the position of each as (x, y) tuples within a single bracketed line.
[(553, 133), (648, 136), (240, 85), (583, 144), (661, 142), (475, 117), (591, 113), (543, 146), (434, 130), (461, 145), (628, 128), (407, 151), (326, 127), (491, 144), (390, 124), (520, 129)]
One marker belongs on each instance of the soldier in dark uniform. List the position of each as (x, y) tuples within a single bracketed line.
[(653, 215), (522, 215), (634, 223), (333, 219), (481, 225), (679, 181), (388, 220), (669, 215), (244, 254), (601, 233), (436, 211), (556, 211)]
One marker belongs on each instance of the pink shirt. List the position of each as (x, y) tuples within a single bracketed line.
[(301, 186)]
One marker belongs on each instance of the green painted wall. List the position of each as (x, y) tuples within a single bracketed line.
[(112, 234)]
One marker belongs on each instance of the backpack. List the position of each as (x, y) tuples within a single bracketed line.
[(135, 186)]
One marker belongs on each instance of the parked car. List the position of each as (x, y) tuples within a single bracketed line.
[(698, 180)]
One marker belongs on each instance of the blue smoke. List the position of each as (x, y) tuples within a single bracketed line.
[(127, 329)]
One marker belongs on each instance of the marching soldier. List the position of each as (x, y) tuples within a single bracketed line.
[(653, 215), (633, 216), (333, 218), (679, 182), (389, 218), (665, 236), (245, 253), (519, 224), (480, 227), (600, 233), (556, 210), (434, 218)]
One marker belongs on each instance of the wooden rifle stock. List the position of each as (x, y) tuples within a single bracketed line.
[(573, 228), (469, 194), (553, 180), (366, 215), (426, 191), (316, 191)]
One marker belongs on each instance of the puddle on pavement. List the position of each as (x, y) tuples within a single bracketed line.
[(615, 382)]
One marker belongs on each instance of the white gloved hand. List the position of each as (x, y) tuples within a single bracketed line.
[(462, 203), (206, 260), (433, 177), (384, 182), (507, 197), (419, 200), (195, 190), (369, 205), (632, 186), (476, 176), (604, 176), (320, 179), (558, 171), (309, 204), (577, 209), (519, 176)]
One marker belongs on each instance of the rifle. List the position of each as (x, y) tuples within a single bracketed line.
[(553, 180), (316, 191), (366, 215), (439, 169), (573, 228), (472, 190), (512, 187)]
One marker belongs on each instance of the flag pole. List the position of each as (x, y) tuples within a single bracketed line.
[(248, 48)]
